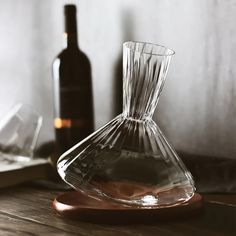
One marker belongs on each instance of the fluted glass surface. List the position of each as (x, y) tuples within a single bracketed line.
[(129, 160)]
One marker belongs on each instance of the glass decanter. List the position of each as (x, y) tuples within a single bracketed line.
[(129, 160)]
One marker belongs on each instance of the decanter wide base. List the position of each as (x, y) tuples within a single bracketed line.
[(141, 195), (130, 162), (137, 194)]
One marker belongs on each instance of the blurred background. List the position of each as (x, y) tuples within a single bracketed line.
[(197, 109)]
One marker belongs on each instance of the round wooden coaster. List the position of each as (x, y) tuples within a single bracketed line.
[(78, 206)]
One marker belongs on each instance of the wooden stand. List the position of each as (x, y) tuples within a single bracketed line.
[(78, 206)]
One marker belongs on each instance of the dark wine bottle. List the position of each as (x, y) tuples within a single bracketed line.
[(73, 100)]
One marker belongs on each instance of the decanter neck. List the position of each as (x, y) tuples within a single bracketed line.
[(144, 73)]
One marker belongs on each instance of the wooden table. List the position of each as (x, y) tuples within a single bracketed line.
[(26, 210)]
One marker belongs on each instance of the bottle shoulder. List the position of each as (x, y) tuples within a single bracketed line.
[(72, 53), (72, 65), (74, 59)]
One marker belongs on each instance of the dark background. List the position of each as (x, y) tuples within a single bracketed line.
[(197, 110)]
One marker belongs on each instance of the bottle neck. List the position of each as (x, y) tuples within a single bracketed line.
[(70, 34)]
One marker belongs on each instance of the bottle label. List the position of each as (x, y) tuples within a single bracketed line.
[(68, 123)]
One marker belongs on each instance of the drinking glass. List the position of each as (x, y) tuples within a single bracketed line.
[(19, 131)]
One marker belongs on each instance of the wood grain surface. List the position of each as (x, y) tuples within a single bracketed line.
[(26, 210)]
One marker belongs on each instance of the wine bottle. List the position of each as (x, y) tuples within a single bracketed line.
[(73, 101)]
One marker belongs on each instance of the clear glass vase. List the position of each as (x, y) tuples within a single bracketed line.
[(129, 160)]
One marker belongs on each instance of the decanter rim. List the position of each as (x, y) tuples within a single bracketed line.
[(169, 52)]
